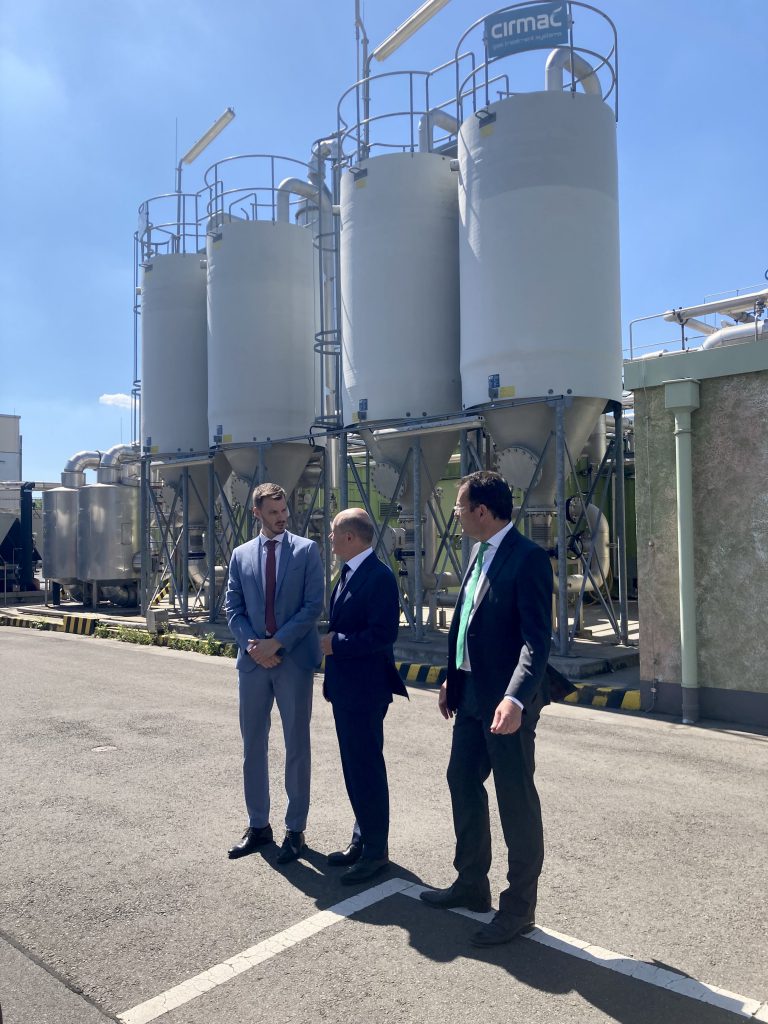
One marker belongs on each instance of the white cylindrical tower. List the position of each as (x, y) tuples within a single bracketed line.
[(400, 287), (174, 375), (539, 257), (261, 328)]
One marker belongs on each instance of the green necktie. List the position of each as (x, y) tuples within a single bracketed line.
[(466, 604)]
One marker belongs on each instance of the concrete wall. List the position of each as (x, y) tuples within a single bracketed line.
[(730, 494)]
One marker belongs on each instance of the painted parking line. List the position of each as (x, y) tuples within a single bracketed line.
[(681, 984), (215, 976), (640, 970)]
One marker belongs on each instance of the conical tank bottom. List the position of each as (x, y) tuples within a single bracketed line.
[(198, 486), (390, 449), (282, 463), (520, 434)]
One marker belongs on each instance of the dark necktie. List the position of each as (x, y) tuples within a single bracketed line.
[(270, 578), (345, 571)]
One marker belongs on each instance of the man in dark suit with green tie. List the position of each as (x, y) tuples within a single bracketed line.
[(499, 643)]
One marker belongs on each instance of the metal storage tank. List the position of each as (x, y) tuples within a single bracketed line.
[(261, 328), (539, 257), (400, 304), (107, 532), (174, 357), (400, 286), (60, 515), (60, 506)]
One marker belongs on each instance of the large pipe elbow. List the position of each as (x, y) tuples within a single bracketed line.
[(73, 474), (305, 189), (561, 58), (111, 460), (435, 118)]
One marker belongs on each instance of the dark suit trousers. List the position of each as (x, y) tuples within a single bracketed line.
[(360, 732), (475, 753)]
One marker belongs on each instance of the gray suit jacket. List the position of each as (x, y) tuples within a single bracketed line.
[(298, 600)]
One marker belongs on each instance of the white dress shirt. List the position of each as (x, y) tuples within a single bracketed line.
[(279, 538)]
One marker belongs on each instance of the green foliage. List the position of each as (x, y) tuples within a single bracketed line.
[(208, 644)]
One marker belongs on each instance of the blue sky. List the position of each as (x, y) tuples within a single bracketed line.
[(91, 90)]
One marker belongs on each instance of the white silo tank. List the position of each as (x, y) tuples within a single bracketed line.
[(539, 256), (174, 360), (400, 302), (400, 286), (261, 329)]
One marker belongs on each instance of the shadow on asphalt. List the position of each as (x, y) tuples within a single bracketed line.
[(444, 937)]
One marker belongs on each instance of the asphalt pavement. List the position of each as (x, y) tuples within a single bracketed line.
[(120, 792)]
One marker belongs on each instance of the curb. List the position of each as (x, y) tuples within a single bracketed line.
[(432, 675), (83, 625), (591, 695), (586, 695), (9, 619)]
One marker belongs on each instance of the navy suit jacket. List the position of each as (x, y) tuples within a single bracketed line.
[(361, 671), (298, 600), (509, 633)]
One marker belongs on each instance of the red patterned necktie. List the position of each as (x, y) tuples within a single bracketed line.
[(270, 578)]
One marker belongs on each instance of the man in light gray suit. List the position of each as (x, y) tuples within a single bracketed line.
[(274, 598)]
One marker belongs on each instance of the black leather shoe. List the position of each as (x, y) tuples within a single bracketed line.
[(365, 869), (252, 839), (345, 858), (457, 896), (503, 928), (292, 848)]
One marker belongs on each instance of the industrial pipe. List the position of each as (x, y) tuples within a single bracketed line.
[(435, 118), (681, 397), (736, 304), (582, 70), (737, 334), (109, 466), (73, 474)]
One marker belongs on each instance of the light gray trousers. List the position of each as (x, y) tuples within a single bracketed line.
[(291, 687)]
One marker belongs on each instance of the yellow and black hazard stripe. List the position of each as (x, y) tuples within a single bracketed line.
[(83, 625), (26, 622), (163, 592), (432, 675), (605, 697)]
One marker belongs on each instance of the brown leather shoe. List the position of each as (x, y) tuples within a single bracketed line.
[(292, 848), (252, 839)]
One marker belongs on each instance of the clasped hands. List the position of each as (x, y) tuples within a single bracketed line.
[(264, 652), (326, 643)]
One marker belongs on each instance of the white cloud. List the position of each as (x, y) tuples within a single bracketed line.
[(121, 401)]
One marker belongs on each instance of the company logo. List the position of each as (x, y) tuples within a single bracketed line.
[(526, 28)]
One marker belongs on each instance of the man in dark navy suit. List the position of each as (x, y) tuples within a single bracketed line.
[(360, 678), (496, 685)]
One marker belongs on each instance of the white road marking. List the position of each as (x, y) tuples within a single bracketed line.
[(194, 987), (751, 1009)]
